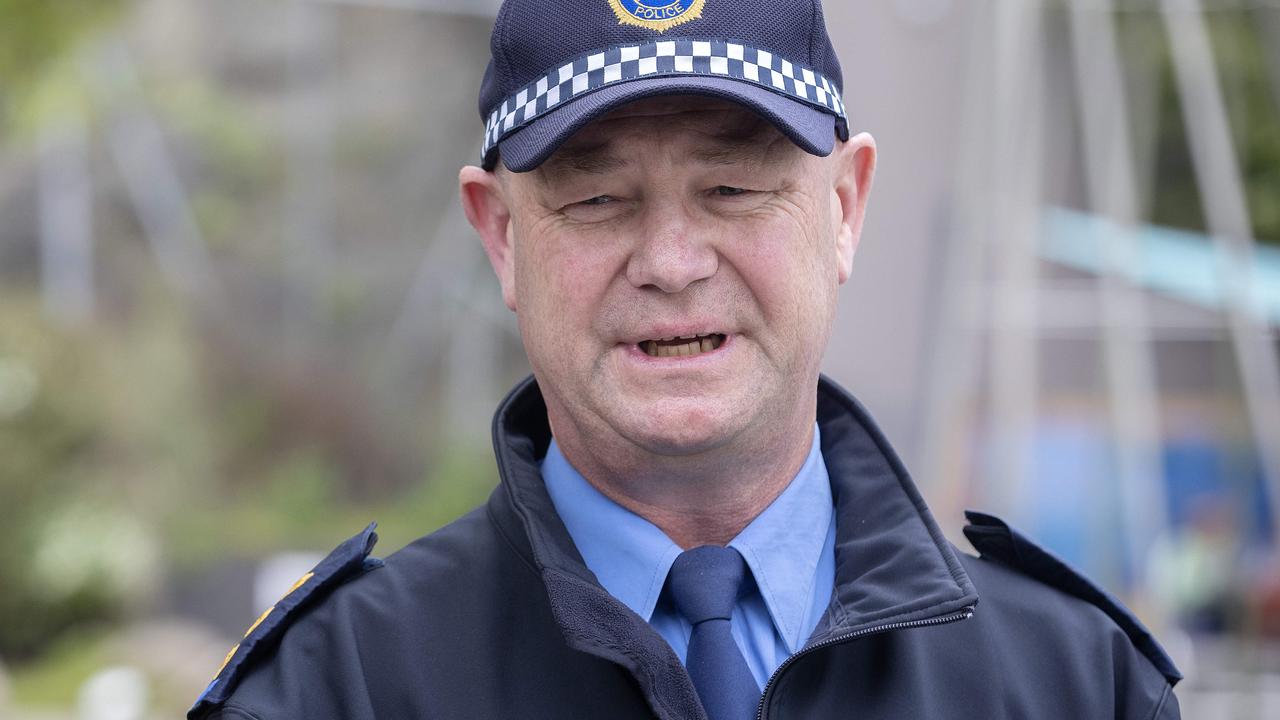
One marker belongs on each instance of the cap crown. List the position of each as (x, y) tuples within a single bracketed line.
[(532, 36)]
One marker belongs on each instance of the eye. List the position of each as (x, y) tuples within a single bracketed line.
[(597, 200), (729, 191)]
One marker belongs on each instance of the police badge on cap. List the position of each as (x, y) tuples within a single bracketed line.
[(656, 15)]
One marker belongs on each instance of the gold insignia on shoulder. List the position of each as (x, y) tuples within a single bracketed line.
[(266, 613), (301, 581), (227, 659)]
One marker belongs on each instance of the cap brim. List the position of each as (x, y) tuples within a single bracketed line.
[(812, 129)]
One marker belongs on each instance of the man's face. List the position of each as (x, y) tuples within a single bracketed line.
[(674, 269)]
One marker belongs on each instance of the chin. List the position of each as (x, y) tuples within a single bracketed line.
[(676, 427)]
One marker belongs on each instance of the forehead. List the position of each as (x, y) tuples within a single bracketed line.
[(690, 128)]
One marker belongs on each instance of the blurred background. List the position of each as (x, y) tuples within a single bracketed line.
[(241, 313)]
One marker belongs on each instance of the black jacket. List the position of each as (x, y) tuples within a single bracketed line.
[(496, 616)]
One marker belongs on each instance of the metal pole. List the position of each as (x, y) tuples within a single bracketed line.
[(151, 179), (1269, 35), (954, 371), (1130, 364), (309, 217), (66, 221), (1016, 152), (446, 315), (1222, 189)]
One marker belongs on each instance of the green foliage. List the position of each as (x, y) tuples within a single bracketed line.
[(98, 439), (68, 662), (1253, 109), (297, 505), (37, 34), (1256, 106), (459, 482), (43, 442)]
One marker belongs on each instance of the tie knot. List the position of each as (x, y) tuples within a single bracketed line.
[(705, 582)]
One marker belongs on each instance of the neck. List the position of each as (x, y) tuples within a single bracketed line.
[(702, 499)]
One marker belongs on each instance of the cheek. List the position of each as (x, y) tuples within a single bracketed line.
[(562, 281), (789, 271)]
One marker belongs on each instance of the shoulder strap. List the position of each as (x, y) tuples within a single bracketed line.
[(348, 561), (994, 539)]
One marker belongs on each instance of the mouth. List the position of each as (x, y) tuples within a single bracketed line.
[(682, 346)]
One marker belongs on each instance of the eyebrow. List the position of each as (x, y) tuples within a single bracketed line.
[(728, 153), (743, 142)]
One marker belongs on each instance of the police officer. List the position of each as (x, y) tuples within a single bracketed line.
[(690, 521)]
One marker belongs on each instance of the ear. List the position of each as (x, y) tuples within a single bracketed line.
[(855, 169), (484, 200)]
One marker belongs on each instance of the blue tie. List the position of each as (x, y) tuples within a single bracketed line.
[(705, 583)]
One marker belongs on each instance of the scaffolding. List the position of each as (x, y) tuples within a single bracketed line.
[(995, 244)]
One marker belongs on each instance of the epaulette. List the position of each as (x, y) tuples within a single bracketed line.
[(348, 561), (994, 539)]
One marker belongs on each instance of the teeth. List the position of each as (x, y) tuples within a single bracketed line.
[(697, 345)]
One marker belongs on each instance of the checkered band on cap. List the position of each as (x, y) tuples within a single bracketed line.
[(669, 58)]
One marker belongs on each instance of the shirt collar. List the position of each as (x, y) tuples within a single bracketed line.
[(631, 556)]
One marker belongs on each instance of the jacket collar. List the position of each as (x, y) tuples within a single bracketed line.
[(892, 562)]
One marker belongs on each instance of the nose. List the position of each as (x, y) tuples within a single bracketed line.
[(672, 253)]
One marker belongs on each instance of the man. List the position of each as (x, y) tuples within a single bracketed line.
[(690, 522)]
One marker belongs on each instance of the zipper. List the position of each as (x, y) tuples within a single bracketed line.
[(963, 614)]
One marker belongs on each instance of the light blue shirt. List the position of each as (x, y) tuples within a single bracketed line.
[(790, 549)]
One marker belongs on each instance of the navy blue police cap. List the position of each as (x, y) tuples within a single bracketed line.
[(556, 65)]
